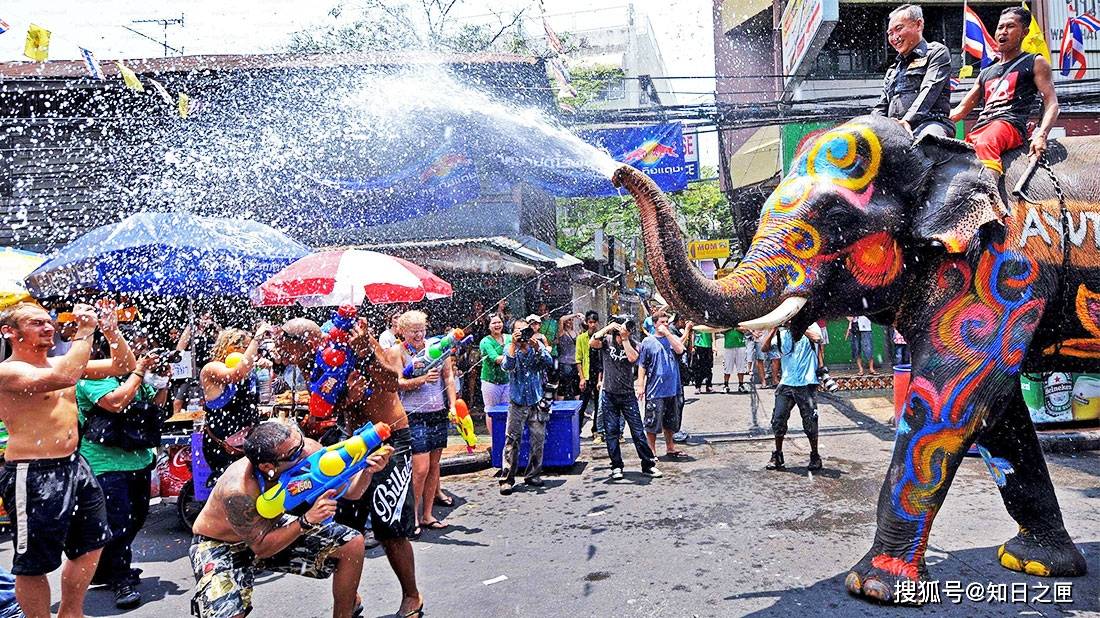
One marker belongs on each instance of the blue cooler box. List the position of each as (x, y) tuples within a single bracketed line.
[(563, 436)]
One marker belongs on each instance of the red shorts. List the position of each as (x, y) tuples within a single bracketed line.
[(991, 140)]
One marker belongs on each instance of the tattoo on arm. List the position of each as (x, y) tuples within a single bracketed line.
[(245, 520)]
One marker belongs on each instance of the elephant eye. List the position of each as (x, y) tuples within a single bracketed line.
[(840, 223)]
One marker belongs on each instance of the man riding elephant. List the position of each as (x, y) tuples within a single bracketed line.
[(867, 222), (916, 89), (1008, 89)]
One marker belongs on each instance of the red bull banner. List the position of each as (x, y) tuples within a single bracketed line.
[(657, 150)]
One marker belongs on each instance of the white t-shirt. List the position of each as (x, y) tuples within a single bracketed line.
[(387, 339), (863, 323)]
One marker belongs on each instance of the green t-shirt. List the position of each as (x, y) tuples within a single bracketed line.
[(110, 458), (490, 352), (549, 329), (733, 339), (704, 340)]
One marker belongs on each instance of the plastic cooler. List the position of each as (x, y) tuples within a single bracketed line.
[(901, 387), (563, 436)]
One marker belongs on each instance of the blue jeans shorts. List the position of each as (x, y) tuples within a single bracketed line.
[(429, 431)]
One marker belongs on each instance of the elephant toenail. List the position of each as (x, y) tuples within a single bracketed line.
[(853, 583), (1033, 567), (877, 589)]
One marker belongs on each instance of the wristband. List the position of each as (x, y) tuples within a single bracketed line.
[(85, 337), (138, 374), (305, 524)]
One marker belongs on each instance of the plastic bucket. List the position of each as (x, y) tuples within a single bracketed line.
[(901, 387)]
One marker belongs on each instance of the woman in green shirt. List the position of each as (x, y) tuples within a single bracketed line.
[(494, 380), (123, 474)]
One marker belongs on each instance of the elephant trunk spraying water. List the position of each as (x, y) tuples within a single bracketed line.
[(734, 300)]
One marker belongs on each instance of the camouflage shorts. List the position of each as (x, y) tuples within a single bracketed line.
[(225, 572)]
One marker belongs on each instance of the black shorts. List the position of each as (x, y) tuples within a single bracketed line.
[(388, 502), (55, 505), (786, 397), (663, 413)]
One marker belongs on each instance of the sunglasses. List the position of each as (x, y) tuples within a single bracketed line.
[(296, 453)]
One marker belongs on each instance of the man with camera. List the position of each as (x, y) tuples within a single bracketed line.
[(618, 352), (47, 486), (798, 385), (120, 456), (526, 360)]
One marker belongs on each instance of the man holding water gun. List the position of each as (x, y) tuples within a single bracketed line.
[(388, 502), (233, 542)]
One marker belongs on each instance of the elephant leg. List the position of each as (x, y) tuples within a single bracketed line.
[(927, 452), (1011, 450)]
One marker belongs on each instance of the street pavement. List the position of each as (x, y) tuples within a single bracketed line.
[(717, 536)]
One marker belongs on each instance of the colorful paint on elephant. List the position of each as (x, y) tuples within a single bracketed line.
[(875, 260), (1088, 314), (786, 248), (980, 340)]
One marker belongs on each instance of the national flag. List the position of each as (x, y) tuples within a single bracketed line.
[(4, 27), (128, 76), (162, 91), (1072, 50), (954, 84), (552, 39), (91, 64), (1034, 42), (37, 47), (1089, 22), (976, 40)]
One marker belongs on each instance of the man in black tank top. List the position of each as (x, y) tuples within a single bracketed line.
[(1009, 89)]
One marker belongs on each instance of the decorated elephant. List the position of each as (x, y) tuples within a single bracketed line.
[(917, 235)]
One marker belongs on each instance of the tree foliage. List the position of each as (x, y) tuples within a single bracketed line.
[(702, 213), (387, 25)]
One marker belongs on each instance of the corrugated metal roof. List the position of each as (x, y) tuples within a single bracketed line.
[(185, 64), (526, 248)]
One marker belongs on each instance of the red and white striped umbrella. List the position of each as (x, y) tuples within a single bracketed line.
[(346, 277)]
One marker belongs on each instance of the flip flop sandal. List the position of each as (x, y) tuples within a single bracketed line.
[(448, 501), (435, 525), (677, 455)]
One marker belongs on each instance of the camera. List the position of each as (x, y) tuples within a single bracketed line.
[(526, 334), (165, 357), (625, 320), (827, 380), (546, 404)]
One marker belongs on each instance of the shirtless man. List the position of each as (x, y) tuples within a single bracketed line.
[(388, 501), (233, 542), (55, 502)]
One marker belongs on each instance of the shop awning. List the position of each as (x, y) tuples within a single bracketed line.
[(757, 159), (518, 255)]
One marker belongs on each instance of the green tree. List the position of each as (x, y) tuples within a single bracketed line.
[(386, 25), (702, 213)]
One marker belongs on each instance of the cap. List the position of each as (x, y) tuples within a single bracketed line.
[(533, 318)]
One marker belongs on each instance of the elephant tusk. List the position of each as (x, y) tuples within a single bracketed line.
[(785, 311)]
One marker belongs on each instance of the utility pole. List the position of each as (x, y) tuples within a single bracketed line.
[(164, 23)]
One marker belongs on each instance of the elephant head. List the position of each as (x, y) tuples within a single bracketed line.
[(861, 203)]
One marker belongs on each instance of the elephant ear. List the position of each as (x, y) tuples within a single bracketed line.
[(959, 194)]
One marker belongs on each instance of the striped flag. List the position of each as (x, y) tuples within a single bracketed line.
[(1072, 50), (1089, 22), (4, 27), (954, 84), (976, 40), (91, 64)]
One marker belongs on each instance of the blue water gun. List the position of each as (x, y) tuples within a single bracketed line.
[(334, 363), (436, 350), (330, 468)]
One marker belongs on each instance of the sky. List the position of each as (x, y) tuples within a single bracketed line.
[(682, 27)]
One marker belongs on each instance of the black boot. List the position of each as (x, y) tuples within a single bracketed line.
[(776, 462)]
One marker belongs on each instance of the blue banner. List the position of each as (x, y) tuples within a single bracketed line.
[(552, 164)]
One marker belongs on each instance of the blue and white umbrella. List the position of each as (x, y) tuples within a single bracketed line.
[(167, 253)]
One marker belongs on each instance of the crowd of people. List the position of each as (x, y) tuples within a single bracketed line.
[(108, 392)]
